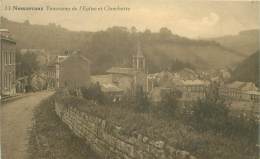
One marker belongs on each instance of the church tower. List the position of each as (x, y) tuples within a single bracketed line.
[(139, 59), (139, 65)]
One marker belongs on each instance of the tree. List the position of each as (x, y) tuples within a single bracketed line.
[(170, 103), (26, 64), (178, 65), (133, 30), (142, 102), (212, 111), (93, 92), (165, 33)]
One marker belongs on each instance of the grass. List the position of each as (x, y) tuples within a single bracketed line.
[(50, 138)]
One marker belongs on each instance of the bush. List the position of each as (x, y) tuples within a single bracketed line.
[(93, 92), (208, 114), (170, 103), (243, 126), (212, 113)]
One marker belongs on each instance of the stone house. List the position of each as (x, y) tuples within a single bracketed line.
[(53, 71), (193, 90), (238, 90), (68, 71), (108, 86), (7, 64), (74, 72)]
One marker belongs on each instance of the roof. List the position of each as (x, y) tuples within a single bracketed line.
[(120, 70), (244, 86), (110, 88), (102, 79), (194, 82)]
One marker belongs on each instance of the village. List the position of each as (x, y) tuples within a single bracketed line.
[(72, 69)]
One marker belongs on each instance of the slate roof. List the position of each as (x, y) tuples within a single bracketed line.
[(121, 70)]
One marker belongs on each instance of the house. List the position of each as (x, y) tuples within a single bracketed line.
[(108, 86), (53, 71), (73, 71), (69, 71), (165, 81), (21, 84), (8, 65), (238, 90), (193, 89)]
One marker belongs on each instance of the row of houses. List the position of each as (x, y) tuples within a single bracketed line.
[(193, 88), (241, 91)]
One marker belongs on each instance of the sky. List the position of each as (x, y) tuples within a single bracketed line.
[(194, 19)]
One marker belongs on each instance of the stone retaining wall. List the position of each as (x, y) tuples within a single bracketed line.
[(109, 141)]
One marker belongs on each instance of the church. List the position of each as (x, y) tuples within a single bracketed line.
[(128, 79)]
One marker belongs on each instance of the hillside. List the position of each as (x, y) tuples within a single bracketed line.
[(246, 42), (249, 69), (49, 37), (116, 45)]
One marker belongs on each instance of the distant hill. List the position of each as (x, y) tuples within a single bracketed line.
[(49, 37), (246, 42), (248, 70), (116, 45)]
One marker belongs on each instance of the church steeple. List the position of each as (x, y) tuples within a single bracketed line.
[(139, 59)]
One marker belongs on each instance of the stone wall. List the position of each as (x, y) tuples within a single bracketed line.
[(110, 141)]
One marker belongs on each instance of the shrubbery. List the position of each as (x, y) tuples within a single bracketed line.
[(93, 92), (170, 103), (212, 113)]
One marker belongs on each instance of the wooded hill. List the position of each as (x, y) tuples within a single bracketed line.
[(116, 45), (246, 42), (248, 70)]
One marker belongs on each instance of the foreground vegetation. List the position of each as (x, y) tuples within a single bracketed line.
[(50, 138), (206, 130)]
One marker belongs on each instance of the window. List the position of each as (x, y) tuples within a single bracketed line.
[(5, 81), (10, 58), (7, 58), (5, 53), (3, 60), (14, 58)]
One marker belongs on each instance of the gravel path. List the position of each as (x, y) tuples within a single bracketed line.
[(16, 118)]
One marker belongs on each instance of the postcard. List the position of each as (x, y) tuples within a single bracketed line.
[(117, 79)]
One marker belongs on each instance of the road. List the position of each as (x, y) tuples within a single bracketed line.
[(16, 118)]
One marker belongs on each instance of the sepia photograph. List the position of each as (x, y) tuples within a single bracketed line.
[(139, 79)]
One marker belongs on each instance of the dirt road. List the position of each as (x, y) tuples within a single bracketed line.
[(16, 119)]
